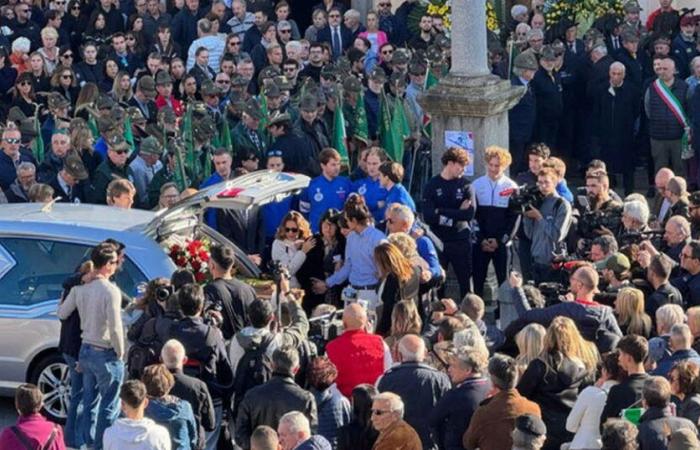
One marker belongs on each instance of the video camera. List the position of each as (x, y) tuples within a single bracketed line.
[(525, 197), (591, 221), (325, 328)]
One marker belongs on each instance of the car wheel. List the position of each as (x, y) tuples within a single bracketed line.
[(52, 376)]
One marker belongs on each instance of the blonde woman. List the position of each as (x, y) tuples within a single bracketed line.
[(629, 309), (404, 320), (530, 342), (407, 246), (49, 50), (83, 142), (554, 379), (121, 88), (399, 280)]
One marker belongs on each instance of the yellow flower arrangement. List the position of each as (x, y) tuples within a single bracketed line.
[(443, 9)]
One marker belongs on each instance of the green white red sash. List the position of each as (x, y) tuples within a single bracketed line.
[(672, 103)]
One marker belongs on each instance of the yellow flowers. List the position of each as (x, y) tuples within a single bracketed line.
[(443, 9), (580, 10)]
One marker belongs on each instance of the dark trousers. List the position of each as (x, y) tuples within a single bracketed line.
[(525, 257), (459, 254), (481, 265), (517, 151)]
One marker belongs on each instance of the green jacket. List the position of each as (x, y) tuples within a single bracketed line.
[(161, 177), (105, 173), (242, 144)]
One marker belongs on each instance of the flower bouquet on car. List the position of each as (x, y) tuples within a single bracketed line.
[(192, 254)]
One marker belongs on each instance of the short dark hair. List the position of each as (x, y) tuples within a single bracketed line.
[(619, 434), (191, 299), (322, 373), (503, 371), (607, 243), (694, 249), (634, 345), (102, 255), (611, 364), (449, 326), (539, 149), (285, 360), (661, 265), (28, 399), (327, 154), (181, 277), (455, 154), (392, 170), (260, 313), (133, 393), (223, 256)]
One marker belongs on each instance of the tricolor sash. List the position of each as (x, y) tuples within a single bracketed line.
[(672, 103)]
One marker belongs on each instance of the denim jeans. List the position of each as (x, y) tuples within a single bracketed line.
[(103, 374), (70, 431), (212, 437)]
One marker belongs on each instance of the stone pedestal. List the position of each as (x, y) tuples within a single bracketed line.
[(478, 104)]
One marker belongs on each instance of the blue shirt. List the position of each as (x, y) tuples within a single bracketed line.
[(564, 191), (273, 213), (359, 267), (101, 147), (399, 194), (426, 250), (210, 214), (374, 194), (322, 195)]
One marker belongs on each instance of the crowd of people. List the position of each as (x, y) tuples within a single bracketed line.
[(589, 339)]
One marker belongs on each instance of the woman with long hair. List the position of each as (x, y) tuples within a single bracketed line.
[(75, 23), (177, 73), (404, 320), (110, 72), (96, 29), (188, 89), (584, 418), (693, 315), (554, 379), (399, 280), (292, 243), (23, 96), (530, 342), (359, 434), (121, 89), (8, 75), (684, 378), (135, 43), (629, 308), (63, 81), (40, 77), (82, 141), (321, 261), (163, 43), (87, 97)]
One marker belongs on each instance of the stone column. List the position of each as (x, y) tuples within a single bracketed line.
[(470, 98)]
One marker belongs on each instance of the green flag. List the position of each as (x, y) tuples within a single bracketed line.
[(263, 107), (207, 163), (92, 125), (225, 136), (361, 131), (339, 135), (388, 138), (179, 176), (128, 133), (430, 81), (190, 158), (38, 146)]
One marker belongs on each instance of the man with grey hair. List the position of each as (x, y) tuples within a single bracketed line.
[(267, 403), (667, 316), (658, 422), (680, 344), (394, 432), (11, 156), (190, 389), (419, 386), (453, 412), (18, 192), (294, 433), (635, 215), (535, 40), (493, 422), (209, 39), (530, 433), (351, 20), (617, 109)]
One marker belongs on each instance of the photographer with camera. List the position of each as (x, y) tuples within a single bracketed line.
[(595, 321), (546, 226), (602, 214), (495, 219), (676, 236)]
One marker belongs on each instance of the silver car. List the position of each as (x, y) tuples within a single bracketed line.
[(40, 246)]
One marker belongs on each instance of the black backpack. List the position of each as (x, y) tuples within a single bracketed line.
[(146, 350), (253, 369)]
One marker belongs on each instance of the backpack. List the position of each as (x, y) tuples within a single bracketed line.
[(146, 350), (27, 443), (253, 369)]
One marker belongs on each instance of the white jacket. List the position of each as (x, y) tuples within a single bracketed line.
[(584, 418), (288, 255), (144, 434)]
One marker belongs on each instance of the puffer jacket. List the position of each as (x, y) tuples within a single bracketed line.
[(663, 125), (334, 411)]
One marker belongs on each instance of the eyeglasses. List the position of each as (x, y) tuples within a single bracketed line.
[(379, 412), (291, 230), (67, 76), (130, 38), (67, 55), (121, 152), (12, 140), (24, 10), (236, 43), (60, 3), (387, 52), (223, 81), (289, 69)]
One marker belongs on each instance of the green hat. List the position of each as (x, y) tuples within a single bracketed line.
[(629, 34), (117, 114), (278, 117), (150, 146), (343, 65), (268, 72), (397, 79), (147, 85), (442, 41), (283, 83), (377, 75), (526, 61), (163, 77), (204, 129), (209, 88), (631, 7), (57, 101), (167, 115), (104, 101), (329, 71), (272, 90), (434, 53), (117, 142), (401, 56), (28, 129), (618, 263), (548, 53), (74, 167), (135, 114), (252, 108), (352, 84), (309, 103), (106, 125), (240, 81), (417, 68), (15, 114)]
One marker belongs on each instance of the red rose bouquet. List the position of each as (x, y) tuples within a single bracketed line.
[(192, 255)]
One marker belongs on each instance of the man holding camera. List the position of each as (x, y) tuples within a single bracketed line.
[(546, 226), (601, 205)]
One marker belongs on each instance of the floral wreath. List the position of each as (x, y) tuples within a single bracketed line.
[(583, 12), (443, 9)]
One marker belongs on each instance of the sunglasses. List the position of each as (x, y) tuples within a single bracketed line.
[(12, 140), (291, 230), (223, 81), (387, 52), (379, 412), (24, 11), (236, 43), (130, 38), (121, 152), (289, 69), (67, 55), (76, 7), (274, 153), (252, 158), (334, 16), (67, 77), (285, 31), (60, 3), (25, 83)]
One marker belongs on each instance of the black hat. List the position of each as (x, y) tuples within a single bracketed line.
[(278, 117), (309, 103), (401, 56), (163, 77), (530, 424)]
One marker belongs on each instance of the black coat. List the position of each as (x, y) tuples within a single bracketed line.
[(616, 110), (521, 118), (634, 67), (394, 291), (196, 393), (623, 395), (656, 425), (232, 298), (245, 228), (297, 153), (548, 96), (324, 35), (78, 192), (421, 387)]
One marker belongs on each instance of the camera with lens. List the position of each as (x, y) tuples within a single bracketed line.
[(163, 293), (278, 270), (325, 328), (526, 197), (592, 221), (552, 292)]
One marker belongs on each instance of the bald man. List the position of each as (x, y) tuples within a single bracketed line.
[(596, 322), (419, 386), (360, 356)]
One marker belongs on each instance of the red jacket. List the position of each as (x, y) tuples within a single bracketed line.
[(359, 357), (176, 104), (37, 429)]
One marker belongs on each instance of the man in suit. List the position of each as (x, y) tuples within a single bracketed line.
[(201, 70), (336, 34), (68, 183), (522, 117), (144, 97)]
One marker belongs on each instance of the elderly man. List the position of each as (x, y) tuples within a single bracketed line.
[(360, 357), (11, 157), (242, 20), (53, 161), (419, 386), (689, 283), (661, 205), (294, 433), (394, 432), (115, 166), (264, 438), (635, 216), (493, 422), (18, 192), (680, 346), (209, 39), (658, 422)]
